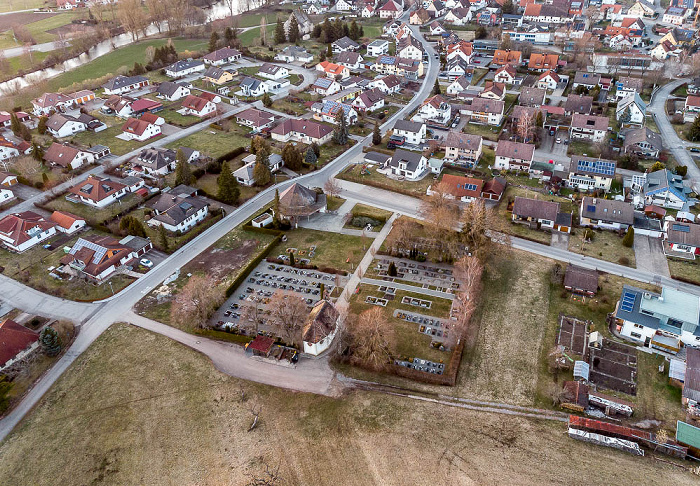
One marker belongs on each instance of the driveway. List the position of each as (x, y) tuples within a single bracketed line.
[(560, 240), (650, 255)]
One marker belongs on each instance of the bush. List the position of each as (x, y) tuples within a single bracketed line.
[(628, 240), (39, 184), (624, 261), (362, 221)]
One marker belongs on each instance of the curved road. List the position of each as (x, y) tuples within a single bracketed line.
[(670, 138), (118, 308)]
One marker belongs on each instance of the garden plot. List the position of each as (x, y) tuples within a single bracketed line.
[(573, 334), (614, 366)]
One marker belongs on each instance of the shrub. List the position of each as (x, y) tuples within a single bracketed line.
[(628, 240), (624, 261)]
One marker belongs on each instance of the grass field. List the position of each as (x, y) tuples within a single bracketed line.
[(15, 5), (252, 36), (115, 418), (213, 143), (374, 178), (94, 215), (332, 249), (110, 63), (109, 138), (370, 212), (685, 269), (606, 245)]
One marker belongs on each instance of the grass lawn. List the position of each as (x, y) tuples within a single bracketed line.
[(109, 138), (332, 249), (330, 150), (252, 37), (295, 79), (15, 5), (334, 202), (370, 212), (606, 245), (580, 147), (214, 143), (487, 131), (408, 343), (110, 63), (249, 70), (376, 179), (288, 107), (68, 436), (94, 215), (681, 129), (685, 269), (171, 116)]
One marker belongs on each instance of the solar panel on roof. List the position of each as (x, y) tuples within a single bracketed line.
[(681, 228), (99, 250), (590, 208), (628, 299)]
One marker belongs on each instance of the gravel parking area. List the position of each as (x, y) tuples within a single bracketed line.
[(264, 281)]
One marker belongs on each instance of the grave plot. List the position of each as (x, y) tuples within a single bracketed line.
[(375, 301), (614, 366), (416, 302), (423, 365), (437, 329), (573, 335)]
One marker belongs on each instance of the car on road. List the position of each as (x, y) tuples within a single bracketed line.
[(552, 132), (558, 140), (694, 149), (146, 263), (455, 122)]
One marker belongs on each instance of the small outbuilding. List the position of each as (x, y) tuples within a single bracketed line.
[(581, 280)]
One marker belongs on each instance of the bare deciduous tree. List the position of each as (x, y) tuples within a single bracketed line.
[(402, 236), (370, 337), (332, 187), (468, 271), (251, 313), (441, 211), (480, 226), (196, 301), (133, 17), (288, 314)]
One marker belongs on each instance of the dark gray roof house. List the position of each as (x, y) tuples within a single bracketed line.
[(174, 209), (581, 280), (411, 159)]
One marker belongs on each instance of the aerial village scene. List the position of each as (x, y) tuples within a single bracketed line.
[(352, 242)]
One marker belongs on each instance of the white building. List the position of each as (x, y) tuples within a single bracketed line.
[(378, 48), (414, 132)]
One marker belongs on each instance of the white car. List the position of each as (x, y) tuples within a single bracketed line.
[(146, 263), (558, 140)]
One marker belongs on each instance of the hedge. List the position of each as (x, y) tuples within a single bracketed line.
[(230, 155), (223, 336), (251, 265)]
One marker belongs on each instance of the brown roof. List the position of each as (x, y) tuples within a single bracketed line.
[(321, 322), (223, 53), (532, 96), (261, 343), (195, 103), (543, 61), (576, 392), (307, 127), (535, 208), (61, 154), (683, 233), (578, 278), (495, 186), (515, 150), (463, 141), (95, 188), (501, 57), (17, 226), (590, 122), (460, 186), (14, 339), (578, 104), (257, 117), (97, 253), (135, 125), (64, 219), (691, 385)]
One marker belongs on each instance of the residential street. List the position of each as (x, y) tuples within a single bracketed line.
[(670, 138), (118, 308)]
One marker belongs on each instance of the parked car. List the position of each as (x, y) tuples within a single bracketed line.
[(395, 141), (558, 140), (694, 149), (146, 263)]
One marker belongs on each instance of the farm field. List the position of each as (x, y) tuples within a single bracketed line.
[(315, 440)]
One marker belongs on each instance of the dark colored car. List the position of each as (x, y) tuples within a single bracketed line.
[(395, 141)]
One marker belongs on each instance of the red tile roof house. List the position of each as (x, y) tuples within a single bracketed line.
[(305, 131), (68, 156), (255, 119), (97, 192), (197, 106), (16, 343), (98, 257), (543, 214), (493, 190), (21, 231), (67, 223), (464, 189), (140, 129)]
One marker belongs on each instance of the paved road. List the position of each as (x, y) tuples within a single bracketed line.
[(409, 206), (118, 308), (45, 47), (670, 138)]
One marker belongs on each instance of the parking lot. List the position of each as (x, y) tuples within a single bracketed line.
[(263, 282)]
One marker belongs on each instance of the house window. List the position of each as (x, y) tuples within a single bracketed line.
[(639, 326)]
